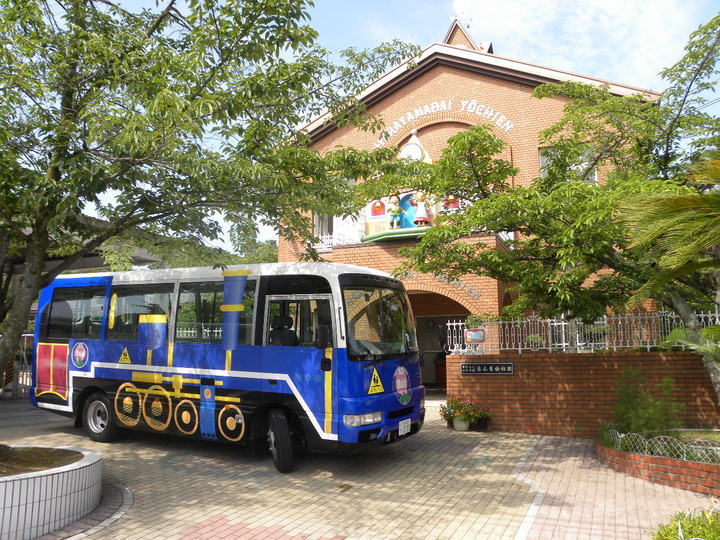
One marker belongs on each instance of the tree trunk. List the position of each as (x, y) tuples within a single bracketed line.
[(691, 322), (712, 366), (27, 292)]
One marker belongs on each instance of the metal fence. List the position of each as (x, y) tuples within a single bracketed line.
[(612, 332), (16, 381), (701, 451)]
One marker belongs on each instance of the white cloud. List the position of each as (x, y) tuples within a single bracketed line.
[(627, 41)]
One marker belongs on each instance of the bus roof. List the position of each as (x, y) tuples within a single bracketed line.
[(326, 269)]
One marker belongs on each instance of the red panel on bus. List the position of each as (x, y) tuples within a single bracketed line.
[(51, 369)]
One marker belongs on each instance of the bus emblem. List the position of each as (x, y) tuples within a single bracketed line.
[(401, 382), (79, 354)]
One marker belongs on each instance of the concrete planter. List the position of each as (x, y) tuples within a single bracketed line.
[(34, 504), (460, 425)]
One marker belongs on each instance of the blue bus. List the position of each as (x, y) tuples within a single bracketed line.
[(277, 356)]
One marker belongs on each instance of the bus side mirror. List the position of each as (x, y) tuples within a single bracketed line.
[(323, 336)]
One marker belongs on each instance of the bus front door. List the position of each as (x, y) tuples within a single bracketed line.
[(298, 364)]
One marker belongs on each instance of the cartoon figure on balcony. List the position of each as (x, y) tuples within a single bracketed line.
[(422, 212), (394, 211), (451, 203)]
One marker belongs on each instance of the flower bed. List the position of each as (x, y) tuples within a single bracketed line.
[(40, 502)]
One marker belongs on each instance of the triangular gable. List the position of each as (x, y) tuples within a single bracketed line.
[(459, 50), (458, 36)]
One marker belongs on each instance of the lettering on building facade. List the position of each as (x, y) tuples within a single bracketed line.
[(472, 106)]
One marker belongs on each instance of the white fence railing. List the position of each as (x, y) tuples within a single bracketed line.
[(612, 332), (16, 381)]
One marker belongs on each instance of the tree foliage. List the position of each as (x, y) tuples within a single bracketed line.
[(682, 226), (121, 129), (571, 253)]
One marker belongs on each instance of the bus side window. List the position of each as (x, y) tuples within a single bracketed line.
[(295, 321), (247, 315), (74, 313), (199, 319), (322, 316), (128, 302), (60, 320)]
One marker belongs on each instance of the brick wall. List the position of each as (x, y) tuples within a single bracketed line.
[(469, 294), (698, 477), (573, 395)]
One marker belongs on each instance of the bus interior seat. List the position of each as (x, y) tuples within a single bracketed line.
[(281, 334)]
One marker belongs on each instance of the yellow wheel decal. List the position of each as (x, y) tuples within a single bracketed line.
[(157, 407), (186, 417), (127, 404), (231, 423)]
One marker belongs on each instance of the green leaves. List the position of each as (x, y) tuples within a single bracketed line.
[(161, 121)]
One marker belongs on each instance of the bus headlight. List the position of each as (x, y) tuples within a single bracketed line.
[(357, 420)]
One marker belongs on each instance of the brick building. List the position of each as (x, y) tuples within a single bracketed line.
[(456, 84)]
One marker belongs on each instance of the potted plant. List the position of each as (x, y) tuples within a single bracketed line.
[(464, 413), (470, 414), (449, 410)]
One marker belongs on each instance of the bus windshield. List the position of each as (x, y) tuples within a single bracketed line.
[(380, 323)]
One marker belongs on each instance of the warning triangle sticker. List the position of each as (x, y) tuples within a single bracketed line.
[(376, 386), (125, 357)]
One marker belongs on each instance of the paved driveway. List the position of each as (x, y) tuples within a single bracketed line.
[(440, 484)]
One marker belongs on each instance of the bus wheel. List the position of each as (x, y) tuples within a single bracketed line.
[(98, 421), (280, 441)]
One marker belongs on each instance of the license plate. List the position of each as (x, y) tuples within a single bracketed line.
[(404, 427)]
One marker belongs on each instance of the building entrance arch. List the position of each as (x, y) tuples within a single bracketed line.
[(432, 311)]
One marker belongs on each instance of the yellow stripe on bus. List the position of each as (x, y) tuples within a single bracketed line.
[(328, 396), (232, 307), (230, 273), (152, 318)]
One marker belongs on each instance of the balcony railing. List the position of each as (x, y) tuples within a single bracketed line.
[(327, 241), (613, 332)]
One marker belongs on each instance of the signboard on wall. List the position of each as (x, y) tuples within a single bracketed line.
[(475, 335), (487, 368)]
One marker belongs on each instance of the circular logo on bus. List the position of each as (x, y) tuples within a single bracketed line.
[(79, 354), (401, 385)]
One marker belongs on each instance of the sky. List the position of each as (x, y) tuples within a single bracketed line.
[(625, 41)]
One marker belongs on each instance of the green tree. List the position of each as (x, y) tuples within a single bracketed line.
[(153, 122), (572, 253), (682, 225), (260, 252)]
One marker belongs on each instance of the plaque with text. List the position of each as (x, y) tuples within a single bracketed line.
[(487, 368)]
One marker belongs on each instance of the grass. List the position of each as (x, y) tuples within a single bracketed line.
[(688, 435), (32, 459)]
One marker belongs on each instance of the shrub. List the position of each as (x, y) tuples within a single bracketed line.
[(638, 411), (703, 524)]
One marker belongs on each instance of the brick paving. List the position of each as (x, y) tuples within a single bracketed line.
[(440, 484)]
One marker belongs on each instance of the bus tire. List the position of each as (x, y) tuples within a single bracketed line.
[(98, 420), (280, 441)]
